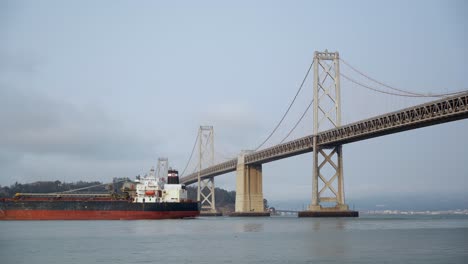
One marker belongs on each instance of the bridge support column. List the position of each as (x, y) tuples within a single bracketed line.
[(327, 178), (328, 198), (249, 194), (206, 187), (207, 195)]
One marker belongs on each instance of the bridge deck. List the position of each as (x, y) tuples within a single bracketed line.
[(427, 114)]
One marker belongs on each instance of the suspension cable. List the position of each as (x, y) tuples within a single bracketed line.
[(299, 121), (289, 108), (393, 88), (191, 154), (380, 91)]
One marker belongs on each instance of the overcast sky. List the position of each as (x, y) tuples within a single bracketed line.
[(91, 90)]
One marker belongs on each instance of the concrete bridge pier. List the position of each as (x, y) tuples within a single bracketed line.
[(249, 194)]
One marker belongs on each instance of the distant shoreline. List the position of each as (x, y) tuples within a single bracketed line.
[(406, 212)]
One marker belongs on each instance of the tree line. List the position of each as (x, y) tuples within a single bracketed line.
[(50, 187)]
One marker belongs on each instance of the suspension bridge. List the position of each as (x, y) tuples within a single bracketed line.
[(326, 141)]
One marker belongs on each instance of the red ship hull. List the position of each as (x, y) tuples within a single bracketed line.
[(92, 215), (92, 209)]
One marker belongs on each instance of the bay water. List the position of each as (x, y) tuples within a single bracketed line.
[(367, 239)]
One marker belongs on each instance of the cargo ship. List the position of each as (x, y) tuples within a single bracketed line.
[(147, 197)]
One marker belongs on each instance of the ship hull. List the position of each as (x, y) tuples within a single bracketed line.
[(94, 210)]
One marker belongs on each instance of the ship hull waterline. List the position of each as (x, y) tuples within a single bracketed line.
[(93, 215), (94, 210)]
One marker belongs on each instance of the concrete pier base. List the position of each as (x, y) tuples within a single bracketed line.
[(319, 211), (328, 214), (250, 214)]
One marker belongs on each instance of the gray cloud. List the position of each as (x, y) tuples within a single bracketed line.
[(33, 123), (19, 62)]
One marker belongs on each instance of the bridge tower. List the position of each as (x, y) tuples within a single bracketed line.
[(162, 168), (206, 187), (328, 195)]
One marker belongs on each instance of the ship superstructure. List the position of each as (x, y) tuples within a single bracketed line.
[(150, 189)]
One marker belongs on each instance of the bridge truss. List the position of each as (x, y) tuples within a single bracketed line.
[(432, 113)]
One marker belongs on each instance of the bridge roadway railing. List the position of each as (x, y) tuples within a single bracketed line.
[(435, 112), (291, 148), (218, 169), (428, 114)]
